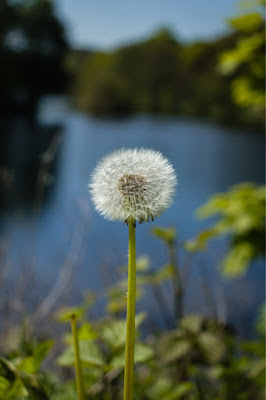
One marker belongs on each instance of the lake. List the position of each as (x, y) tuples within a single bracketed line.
[(64, 230)]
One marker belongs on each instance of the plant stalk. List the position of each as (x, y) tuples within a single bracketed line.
[(131, 301), (78, 369)]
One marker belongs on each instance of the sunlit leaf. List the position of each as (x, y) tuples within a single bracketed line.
[(164, 273), (237, 260), (240, 213), (201, 240), (166, 234), (246, 23), (143, 263), (66, 314), (86, 332)]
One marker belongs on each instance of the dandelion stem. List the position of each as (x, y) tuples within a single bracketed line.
[(131, 300), (78, 370)]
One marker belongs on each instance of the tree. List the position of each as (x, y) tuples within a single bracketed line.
[(32, 48), (245, 62)]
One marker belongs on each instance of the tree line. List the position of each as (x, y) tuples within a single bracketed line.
[(214, 79)]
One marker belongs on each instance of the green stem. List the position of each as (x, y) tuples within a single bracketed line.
[(79, 377), (131, 300)]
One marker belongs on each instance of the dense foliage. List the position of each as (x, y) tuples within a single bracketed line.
[(246, 61), (241, 214), (159, 75), (214, 79)]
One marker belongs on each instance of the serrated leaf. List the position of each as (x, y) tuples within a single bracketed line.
[(142, 353), (89, 355), (114, 332)]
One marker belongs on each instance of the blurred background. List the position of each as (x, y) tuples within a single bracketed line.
[(80, 79)]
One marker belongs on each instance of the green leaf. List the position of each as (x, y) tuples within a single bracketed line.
[(117, 305), (179, 391), (31, 364), (239, 213), (191, 323), (157, 277), (86, 332), (163, 388), (163, 274), (177, 350), (160, 388), (66, 314), (212, 345), (113, 333), (142, 353), (34, 387), (261, 321), (17, 391), (246, 23), (89, 355), (166, 234), (4, 386), (237, 260), (201, 240), (143, 263)]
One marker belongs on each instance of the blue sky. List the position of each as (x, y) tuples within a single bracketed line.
[(109, 23)]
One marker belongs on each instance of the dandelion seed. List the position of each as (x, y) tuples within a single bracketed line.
[(135, 184), (132, 185)]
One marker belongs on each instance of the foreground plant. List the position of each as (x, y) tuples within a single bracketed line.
[(79, 377), (132, 185)]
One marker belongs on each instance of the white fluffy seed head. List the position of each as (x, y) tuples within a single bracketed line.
[(136, 184)]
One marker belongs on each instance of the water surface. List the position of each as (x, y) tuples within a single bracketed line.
[(207, 158)]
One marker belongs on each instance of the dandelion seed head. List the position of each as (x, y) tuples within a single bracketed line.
[(136, 184)]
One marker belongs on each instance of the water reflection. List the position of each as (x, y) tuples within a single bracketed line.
[(28, 164)]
